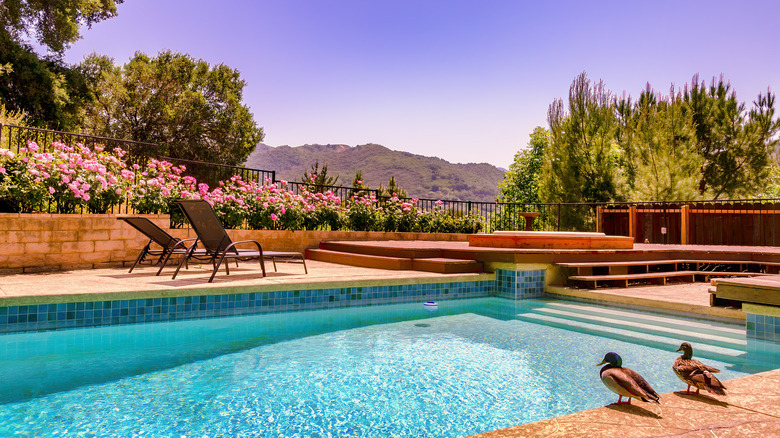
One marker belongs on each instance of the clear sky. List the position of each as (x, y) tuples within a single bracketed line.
[(466, 81)]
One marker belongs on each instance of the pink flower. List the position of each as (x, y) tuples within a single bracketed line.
[(2, 170), (274, 217), (283, 210), (51, 190)]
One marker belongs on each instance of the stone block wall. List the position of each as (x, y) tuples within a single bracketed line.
[(52, 242)]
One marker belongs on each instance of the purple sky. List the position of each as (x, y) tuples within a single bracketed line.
[(466, 81)]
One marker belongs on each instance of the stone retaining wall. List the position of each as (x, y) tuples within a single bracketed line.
[(52, 242)]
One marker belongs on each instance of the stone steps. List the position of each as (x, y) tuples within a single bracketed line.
[(427, 260)]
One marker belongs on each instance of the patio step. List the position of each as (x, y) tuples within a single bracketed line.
[(430, 264), (362, 260), (710, 339), (379, 250)]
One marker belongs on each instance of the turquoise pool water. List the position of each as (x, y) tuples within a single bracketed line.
[(394, 370)]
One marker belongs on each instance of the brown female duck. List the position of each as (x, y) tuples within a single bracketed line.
[(625, 382), (695, 373)]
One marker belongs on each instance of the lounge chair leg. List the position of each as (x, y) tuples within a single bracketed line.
[(183, 261), (164, 262), (273, 259), (262, 265), (305, 270), (216, 267), (140, 256)]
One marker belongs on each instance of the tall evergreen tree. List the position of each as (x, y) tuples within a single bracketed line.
[(317, 180), (392, 189), (581, 164), (736, 144), (656, 134)]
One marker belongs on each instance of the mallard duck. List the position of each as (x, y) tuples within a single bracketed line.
[(695, 373), (625, 382)]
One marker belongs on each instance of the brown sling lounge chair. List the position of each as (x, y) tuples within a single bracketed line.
[(217, 245), (168, 245)]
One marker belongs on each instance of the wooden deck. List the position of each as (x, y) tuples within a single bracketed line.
[(357, 252)]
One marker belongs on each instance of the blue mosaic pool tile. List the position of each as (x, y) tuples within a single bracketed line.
[(519, 284), (100, 313)]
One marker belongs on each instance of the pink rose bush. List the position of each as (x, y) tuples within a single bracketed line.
[(76, 179), (66, 180)]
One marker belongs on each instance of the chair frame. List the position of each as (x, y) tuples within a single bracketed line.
[(168, 244), (217, 245)]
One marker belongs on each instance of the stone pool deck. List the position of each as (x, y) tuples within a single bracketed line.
[(752, 407), (117, 283)]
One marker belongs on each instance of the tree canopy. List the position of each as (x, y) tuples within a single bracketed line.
[(53, 23), (191, 109), (736, 144), (521, 182), (50, 93), (698, 142), (581, 163)]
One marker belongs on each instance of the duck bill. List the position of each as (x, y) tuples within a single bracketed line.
[(601, 363)]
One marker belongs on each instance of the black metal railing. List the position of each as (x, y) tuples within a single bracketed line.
[(212, 174), (725, 222), (16, 137)]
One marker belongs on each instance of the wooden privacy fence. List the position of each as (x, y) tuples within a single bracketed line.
[(748, 223)]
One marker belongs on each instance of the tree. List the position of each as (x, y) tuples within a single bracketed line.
[(393, 189), (191, 109), (521, 182), (359, 186), (581, 164), (51, 94), (735, 145), (53, 23), (317, 180), (656, 134)]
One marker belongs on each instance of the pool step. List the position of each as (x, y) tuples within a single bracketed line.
[(713, 340), (714, 328)]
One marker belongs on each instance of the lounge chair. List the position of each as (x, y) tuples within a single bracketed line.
[(168, 244), (217, 245)]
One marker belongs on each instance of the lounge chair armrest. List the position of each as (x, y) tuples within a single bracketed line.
[(232, 246), (183, 243)]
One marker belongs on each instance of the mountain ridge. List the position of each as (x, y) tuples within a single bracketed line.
[(419, 175)]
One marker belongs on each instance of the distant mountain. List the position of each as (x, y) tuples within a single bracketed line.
[(420, 176)]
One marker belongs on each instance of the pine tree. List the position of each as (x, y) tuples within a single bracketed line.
[(658, 139), (736, 144), (317, 180), (359, 187), (392, 189)]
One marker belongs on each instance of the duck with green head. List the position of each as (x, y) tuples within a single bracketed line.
[(625, 382), (695, 373)]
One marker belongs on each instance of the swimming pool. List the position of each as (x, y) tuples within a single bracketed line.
[(399, 370)]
